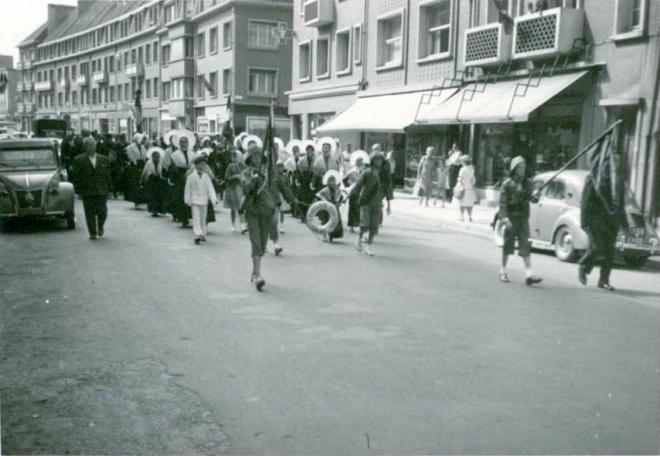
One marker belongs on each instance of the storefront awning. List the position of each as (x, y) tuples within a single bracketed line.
[(492, 102), (390, 113)]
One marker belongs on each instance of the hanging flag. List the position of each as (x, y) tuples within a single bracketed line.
[(606, 172), (229, 103), (269, 150)]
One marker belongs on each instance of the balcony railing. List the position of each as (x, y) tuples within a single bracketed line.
[(24, 86), (100, 77), (81, 80), (547, 33), (135, 70), (43, 86), (486, 45)]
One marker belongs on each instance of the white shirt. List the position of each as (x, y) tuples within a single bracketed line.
[(199, 189), (92, 158)]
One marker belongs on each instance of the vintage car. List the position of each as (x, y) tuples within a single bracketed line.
[(32, 183), (554, 222)]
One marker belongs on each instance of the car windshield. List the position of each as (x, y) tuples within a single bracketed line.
[(27, 158)]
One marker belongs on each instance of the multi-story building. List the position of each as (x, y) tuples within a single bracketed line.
[(114, 66), (540, 79), (8, 99)]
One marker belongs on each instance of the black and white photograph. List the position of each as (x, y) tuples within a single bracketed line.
[(329, 227)]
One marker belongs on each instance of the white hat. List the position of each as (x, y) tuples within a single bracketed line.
[(238, 141), (326, 140), (185, 134), (294, 143), (516, 161), (137, 137), (331, 173), (151, 150), (359, 154), (280, 143), (168, 137), (251, 138), (282, 156)]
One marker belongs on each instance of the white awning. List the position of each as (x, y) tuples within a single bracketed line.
[(390, 113), (629, 97), (495, 102)]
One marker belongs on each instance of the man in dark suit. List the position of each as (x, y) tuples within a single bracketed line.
[(92, 182)]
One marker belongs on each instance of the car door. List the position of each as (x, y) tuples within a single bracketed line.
[(550, 206), (534, 211)]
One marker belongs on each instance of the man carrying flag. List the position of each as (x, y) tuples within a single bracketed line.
[(602, 214)]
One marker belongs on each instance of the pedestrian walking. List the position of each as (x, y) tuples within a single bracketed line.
[(325, 161), (182, 159), (465, 191), (199, 193), (154, 179), (385, 178), (305, 176), (453, 168), (426, 174), (92, 182), (359, 159), (601, 218), (136, 161), (441, 179), (234, 191), (515, 196), (332, 194), (370, 199)]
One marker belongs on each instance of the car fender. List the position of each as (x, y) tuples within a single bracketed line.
[(571, 219)]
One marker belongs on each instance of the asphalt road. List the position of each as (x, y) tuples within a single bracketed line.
[(143, 342)]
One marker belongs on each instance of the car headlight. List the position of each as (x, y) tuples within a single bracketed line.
[(54, 185)]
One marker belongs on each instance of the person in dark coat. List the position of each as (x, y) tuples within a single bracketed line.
[(370, 199), (92, 182), (515, 196), (601, 219), (304, 178)]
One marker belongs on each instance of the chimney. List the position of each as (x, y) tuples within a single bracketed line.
[(57, 14)]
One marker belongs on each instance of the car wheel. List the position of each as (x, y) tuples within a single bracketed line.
[(635, 261), (70, 218), (564, 249)]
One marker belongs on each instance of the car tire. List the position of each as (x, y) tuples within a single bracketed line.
[(70, 218), (635, 261), (563, 242)]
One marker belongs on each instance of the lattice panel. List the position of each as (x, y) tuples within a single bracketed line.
[(481, 44), (537, 34)]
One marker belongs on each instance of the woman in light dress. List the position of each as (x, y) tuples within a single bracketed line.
[(467, 181)]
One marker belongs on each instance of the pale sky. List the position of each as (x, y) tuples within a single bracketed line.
[(19, 18)]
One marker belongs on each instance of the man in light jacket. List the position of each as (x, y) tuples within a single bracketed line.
[(199, 191)]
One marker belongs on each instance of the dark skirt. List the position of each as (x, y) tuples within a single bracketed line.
[(136, 193), (353, 211), (259, 226), (156, 190), (177, 206)]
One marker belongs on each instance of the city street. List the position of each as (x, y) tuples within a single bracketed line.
[(142, 342)]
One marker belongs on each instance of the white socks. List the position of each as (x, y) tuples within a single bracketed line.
[(528, 272)]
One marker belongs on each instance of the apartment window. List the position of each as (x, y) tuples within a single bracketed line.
[(435, 29), (155, 48), (166, 91), (118, 92), (262, 82), (94, 96), (390, 40), (147, 54), (343, 43), (305, 61), (112, 94), (93, 66), (629, 17), (261, 34), (127, 92), (213, 40), (226, 81), (111, 63), (213, 84), (67, 98), (201, 44), (200, 86), (155, 87), (74, 98), (73, 72), (189, 47), (357, 44), (166, 54), (322, 57), (147, 88), (227, 36), (126, 62), (60, 101)]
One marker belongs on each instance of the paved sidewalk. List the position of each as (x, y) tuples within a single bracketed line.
[(405, 204)]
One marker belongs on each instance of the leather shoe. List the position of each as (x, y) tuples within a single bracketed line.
[(582, 275), (605, 286), (533, 280)]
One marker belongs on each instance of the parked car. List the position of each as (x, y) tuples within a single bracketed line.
[(32, 183), (554, 222)]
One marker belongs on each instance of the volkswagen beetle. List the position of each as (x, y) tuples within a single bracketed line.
[(554, 222), (32, 184)]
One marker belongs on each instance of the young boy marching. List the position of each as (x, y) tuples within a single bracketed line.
[(199, 191)]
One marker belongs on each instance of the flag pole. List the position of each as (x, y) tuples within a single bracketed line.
[(580, 154)]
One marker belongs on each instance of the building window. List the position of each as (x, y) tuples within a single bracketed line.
[(226, 81), (60, 101), (140, 55), (147, 88), (262, 34), (343, 43), (390, 41), (435, 29), (213, 84), (94, 99), (262, 82), (213, 40), (201, 44), (227, 36), (155, 49), (155, 87), (305, 63), (74, 98), (118, 92), (166, 91), (357, 44), (166, 54), (127, 92), (322, 57), (493, 11), (112, 94), (189, 47), (147, 54), (200, 86), (630, 16)]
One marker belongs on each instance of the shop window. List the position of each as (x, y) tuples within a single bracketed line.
[(343, 40), (390, 41), (322, 58), (629, 17), (435, 29), (305, 61)]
